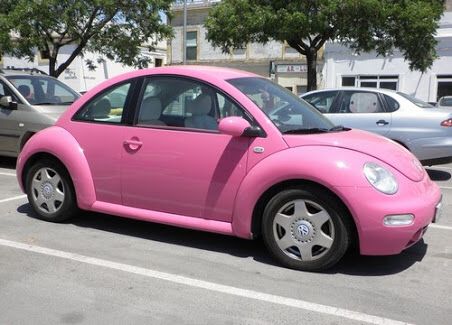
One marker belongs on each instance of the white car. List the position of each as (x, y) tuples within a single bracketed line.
[(418, 126), (445, 102)]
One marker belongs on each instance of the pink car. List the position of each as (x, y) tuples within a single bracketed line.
[(229, 152)]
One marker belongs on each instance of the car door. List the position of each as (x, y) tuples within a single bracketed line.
[(174, 159), (361, 109), (99, 127), (9, 126)]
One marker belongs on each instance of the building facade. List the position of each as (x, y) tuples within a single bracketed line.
[(78, 75), (274, 60)]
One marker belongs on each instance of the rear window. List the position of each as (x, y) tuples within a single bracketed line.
[(416, 101)]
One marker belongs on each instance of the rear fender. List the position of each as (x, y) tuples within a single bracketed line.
[(59, 143)]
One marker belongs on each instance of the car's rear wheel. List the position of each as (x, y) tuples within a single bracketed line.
[(306, 229), (50, 191)]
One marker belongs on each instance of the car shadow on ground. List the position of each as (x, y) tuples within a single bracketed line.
[(7, 162), (438, 175), (351, 264)]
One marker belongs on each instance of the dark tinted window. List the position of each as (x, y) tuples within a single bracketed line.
[(391, 103)]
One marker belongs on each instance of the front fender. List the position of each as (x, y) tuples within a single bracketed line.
[(334, 168), (59, 143)]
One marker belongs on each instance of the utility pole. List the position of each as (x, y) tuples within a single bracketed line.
[(185, 33)]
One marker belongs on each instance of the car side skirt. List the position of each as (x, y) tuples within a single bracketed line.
[(214, 226)]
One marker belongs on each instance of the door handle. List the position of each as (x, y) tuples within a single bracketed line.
[(382, 122), (133, 144)]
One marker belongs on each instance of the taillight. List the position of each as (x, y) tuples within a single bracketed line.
[(447, 123)]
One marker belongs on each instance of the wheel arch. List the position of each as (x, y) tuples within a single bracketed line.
[(256, 221), (58, 144)]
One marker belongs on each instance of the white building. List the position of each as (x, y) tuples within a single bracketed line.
[(344, 68), (78, 76)]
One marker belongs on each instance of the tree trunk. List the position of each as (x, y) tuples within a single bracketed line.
[(52, 66), (311, 58)]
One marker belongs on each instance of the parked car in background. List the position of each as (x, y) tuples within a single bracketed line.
[(203, 148), (445, 102), (29, 101), (418, 126)]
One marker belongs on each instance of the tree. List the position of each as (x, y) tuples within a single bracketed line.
[(362, 25), (115, 29)]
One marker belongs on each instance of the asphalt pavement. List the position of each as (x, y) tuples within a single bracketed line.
[(99, 269)]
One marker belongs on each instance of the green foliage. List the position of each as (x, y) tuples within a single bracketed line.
[(115, 29), (363, 25)]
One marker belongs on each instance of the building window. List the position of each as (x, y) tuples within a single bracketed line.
[(44, 54), (192, 45), (158, 62), (385, 82), (444, 86)]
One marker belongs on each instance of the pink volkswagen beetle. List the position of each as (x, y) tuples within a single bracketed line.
[(229, 152)]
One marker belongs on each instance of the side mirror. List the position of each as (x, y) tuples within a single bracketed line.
[(237, 126), (7, 102)]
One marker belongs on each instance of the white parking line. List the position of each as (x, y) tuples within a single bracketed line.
[(440, 227), (7, 174), (174, 278), (13, 198), (446, 187)]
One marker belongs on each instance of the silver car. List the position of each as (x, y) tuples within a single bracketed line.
[(445, 102), (29, 101), (418, 126)]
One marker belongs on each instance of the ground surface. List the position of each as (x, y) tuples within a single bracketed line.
[(102, 269)]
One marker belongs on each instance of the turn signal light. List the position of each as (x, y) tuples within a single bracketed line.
[(447, 123)]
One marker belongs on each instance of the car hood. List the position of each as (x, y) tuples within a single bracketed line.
[(51, 111), (370, 144)]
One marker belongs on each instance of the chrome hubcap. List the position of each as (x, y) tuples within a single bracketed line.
[(303, 230), (47, 190)]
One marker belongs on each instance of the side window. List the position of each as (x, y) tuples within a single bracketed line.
[(322, 100), (178, 102), (360, 102), (5, 91), (392, 104), (108, 107), (227, 108)]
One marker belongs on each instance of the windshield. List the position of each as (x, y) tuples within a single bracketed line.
[(416, 101), (288, 112), (43, 90)]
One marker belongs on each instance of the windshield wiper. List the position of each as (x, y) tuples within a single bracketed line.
[(306, 131), (339, 128), (317, 130)]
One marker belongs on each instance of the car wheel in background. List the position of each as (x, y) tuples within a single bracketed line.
[(50, 191), (306, 229)]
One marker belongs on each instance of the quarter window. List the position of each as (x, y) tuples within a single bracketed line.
[(106, 108)]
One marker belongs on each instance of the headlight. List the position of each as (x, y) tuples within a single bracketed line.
[(380, 178)]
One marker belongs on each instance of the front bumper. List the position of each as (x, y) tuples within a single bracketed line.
[(417, 198)]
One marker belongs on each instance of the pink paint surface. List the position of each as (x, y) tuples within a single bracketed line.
[(212, 181)]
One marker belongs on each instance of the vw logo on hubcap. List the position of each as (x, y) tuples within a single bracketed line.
[(303, 230), (47, 190)]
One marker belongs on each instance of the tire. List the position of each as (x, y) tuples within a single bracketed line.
[(50, 191), (306, 229)]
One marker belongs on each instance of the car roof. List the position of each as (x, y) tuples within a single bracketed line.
[(22, 72), (376, 90)]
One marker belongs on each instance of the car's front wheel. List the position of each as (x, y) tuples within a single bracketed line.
[(50, 191), (306, 229)]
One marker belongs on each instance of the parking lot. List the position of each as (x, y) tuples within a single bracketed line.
[(102, 269)]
